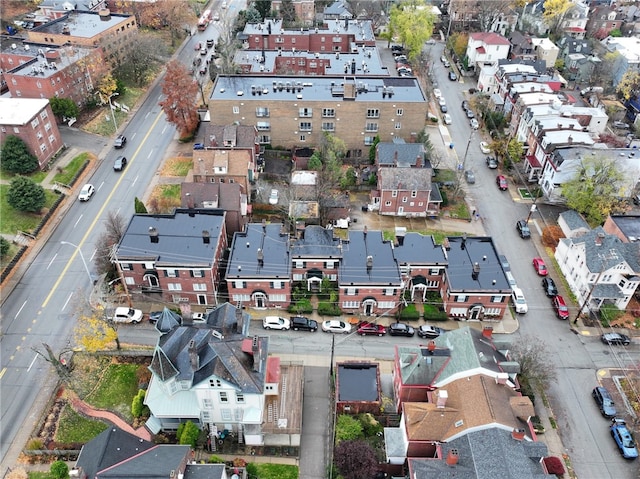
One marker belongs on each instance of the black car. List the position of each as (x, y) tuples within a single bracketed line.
[(523, 229), (120, 163), (154, 316), (401, 329), (465, 105), (120, 141), (453, 76), (429, 332), (397, 49), (549, 286), (304, 324), (616, 338)]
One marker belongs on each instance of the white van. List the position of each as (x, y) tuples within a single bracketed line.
[(519, 301)]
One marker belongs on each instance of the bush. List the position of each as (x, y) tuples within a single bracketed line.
[(609, 313), (215, 460), (370, 425), (189, 434), (326, 308), (16, 158), (433, 313), (348, 428), (252, 470), (301, 307), (59, 470), (138, 407), (25, 195), (4, 246)]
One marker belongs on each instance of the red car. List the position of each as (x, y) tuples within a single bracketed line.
[(540, 267), (501, 181), (561, 308), (367, 328)]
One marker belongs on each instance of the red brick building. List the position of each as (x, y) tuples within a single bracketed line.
[(315, 256)]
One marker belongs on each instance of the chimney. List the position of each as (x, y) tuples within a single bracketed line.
[(487, 332), (501, 378), (257, 357), (260, 257), (239, 319), (518, 434), (364, 231), (189, 200), (369, 263), (419, 161), (476, 271), (452, 457), (193, 356), (599, 238), (153, 234), (441, 398), (205, 237)]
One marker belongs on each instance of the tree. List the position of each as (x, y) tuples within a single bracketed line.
[(179, 104), (63, 367), (15, 156), (373, 149), (373, 11), (4, 246), (533, 357), (413, 24), (603, 70), (161, 14), (348, 428), (554, 11), (355, 460), (59, 470), (142, 59), (26, 195), (458, 43), (330, 153), (114, 228), (287, 13), (594, 189), (64, 108), (189, 434), (94, 332), (251, 15), (263, 7), (629, 86)]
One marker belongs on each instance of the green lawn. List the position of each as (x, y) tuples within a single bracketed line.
[(277, 471), (116, 389), (14, 220), (72, 427), (69, 171), (40, 475), (103, 124), (36, 176)]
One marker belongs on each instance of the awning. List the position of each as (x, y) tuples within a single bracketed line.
[(533, 161), (481, 50)]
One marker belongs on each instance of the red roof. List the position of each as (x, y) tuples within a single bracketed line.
[(481, 50), (576, 29), (533, 161), (490, 38)]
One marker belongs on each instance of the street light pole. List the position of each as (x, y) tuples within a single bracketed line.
[(86, 268), (113, 116)]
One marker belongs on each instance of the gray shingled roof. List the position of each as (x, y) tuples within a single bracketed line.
[(316, 242), (168, 320), (274, 246), (356, 249), (611, 251), (405, 154), (574, 220), (463, 254), (418, 179), (629, 226), (157, 462), (419, 249)]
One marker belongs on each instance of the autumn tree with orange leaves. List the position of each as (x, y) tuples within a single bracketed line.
[(180, 95)]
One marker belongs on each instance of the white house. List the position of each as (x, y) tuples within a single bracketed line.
[(486, 48), (629, 59)]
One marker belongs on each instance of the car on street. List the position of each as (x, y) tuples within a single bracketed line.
[(621, 125), (446, 119), (203, 51), (623, 438), (465, 105), (276, 322), (302, 323), (401, 329), (474, 123), (549, 286), (126, 315), (519, 301), (441, 101), (86, 192), (216, 17), (120, 141), (198, 146), (492, 162), (470, 113), (616, 338), (560, 307), (504, 262), (273, 197), (443, 108), (397, 48), (430, 332), (523, 229), (501, 181), (120, 163), (210, 42), (336, 326), (203, 69), (603, 399), (539, 266), (443, 59), (437, 93), (452, 76), (154, 316), (470, 177), (197, 46), (366, 328), (484, 147)]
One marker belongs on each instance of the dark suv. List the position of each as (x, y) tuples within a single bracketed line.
[(604, 401), (549, 286), (305, 324), (523, 229)]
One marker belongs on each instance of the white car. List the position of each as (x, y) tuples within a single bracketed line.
[(484, 147), (336, 326), (437, 93), (474, 124), (86, 192), (446, 118), (127, 315), (273, 197), (276, 322), (442, 101)]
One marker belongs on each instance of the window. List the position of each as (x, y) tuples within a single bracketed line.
[(399, 112), (328, 126), (47, 126), (44, 115), (389, 292), (351, 291), (126, 266), (302, 138), (263, 125), (277, 298), (223, 396), (394, 194), (197, 273), (43, 147), (368, 140), (350, 304), (277, 284), (371, 127), (305, 112), (373, 113), (236, 110), (130, 280), (240, 284), (239, 398), (199, 286), (329, 264), (461, 298), (207, 403), (328, 113), (404, 199), (262, 112), (171, 273), (264, 139), (305, 126), (226, 414), (496, 299), (300, 264), (414, 193), (174, 286), (387, 304), (387, 203), (434, 271)]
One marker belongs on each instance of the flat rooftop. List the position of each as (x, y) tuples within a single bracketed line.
[(82, 24)]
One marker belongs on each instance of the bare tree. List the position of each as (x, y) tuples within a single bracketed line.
[(535, 365), (490, 11), (114, 228), (141, 59), (62, 364)]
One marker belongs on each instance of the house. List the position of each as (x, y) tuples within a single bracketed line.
[(52, 9), (369, 279), (420, 273), (574, 20), (336, 11), (215, 376), (358, 388), (305, 10), (522, 47), (578, 58), (474, 287), (625, 227), (532, 20), (599, 269), (173, 257), (546, 51), (225, 165), (602, 20), (628, 59), (572, 224), (484, 454), (486, 48), (467, 15), (259, 267), (306, 107), (33, 122), (315, 256)]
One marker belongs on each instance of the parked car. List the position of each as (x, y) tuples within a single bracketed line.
[(197, 46), (470, 177), (519, 301), (276, 322), (442, 101), (549, 286), (273, 197), (443, 108), (465, 105), (437, 93), (623, 438), (504, 262), (443, 59), (470, 113), (523, 229), (198, 146), (210, 42), (616, 338), (366, 328), (397, 48), (474, 123), (401, 329), (430, 332), (603, 399), (560, 307), (452, 75), (302, 323), (336, 326), (120, 163), (492, 162), (446, 119), (484, 147), (120, 141), (501, 181), (86, 192), (621, 125), (126, 315), (540, 266)]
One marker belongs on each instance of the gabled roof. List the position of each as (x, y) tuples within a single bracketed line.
[(574, 221), (225, 196), (316, 242), (419, 249), (157, 462), (463, 253), (261, 251), (399, 153), (242, 136), (418, 366), (407, 179), (338, 9), (355, 253), (226, 320), (110, 447), (168, 320), (489, 38), (486, 454)]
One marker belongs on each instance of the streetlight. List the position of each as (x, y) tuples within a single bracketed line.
[(86, 268), (115, 125)]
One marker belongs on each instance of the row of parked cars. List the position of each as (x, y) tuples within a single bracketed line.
[(618, 428)]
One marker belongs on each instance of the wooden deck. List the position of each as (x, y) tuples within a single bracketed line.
[(283, 412)]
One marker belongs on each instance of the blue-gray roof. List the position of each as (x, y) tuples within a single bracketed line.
[(267, 241), (83, 24), (405, 179), (400, 153), (181, 239), (155, 463), (419, 249), (168, 320), (604, 251), (574, 220), (628, 225), (463, 254), (355, 251), (316, 242)]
